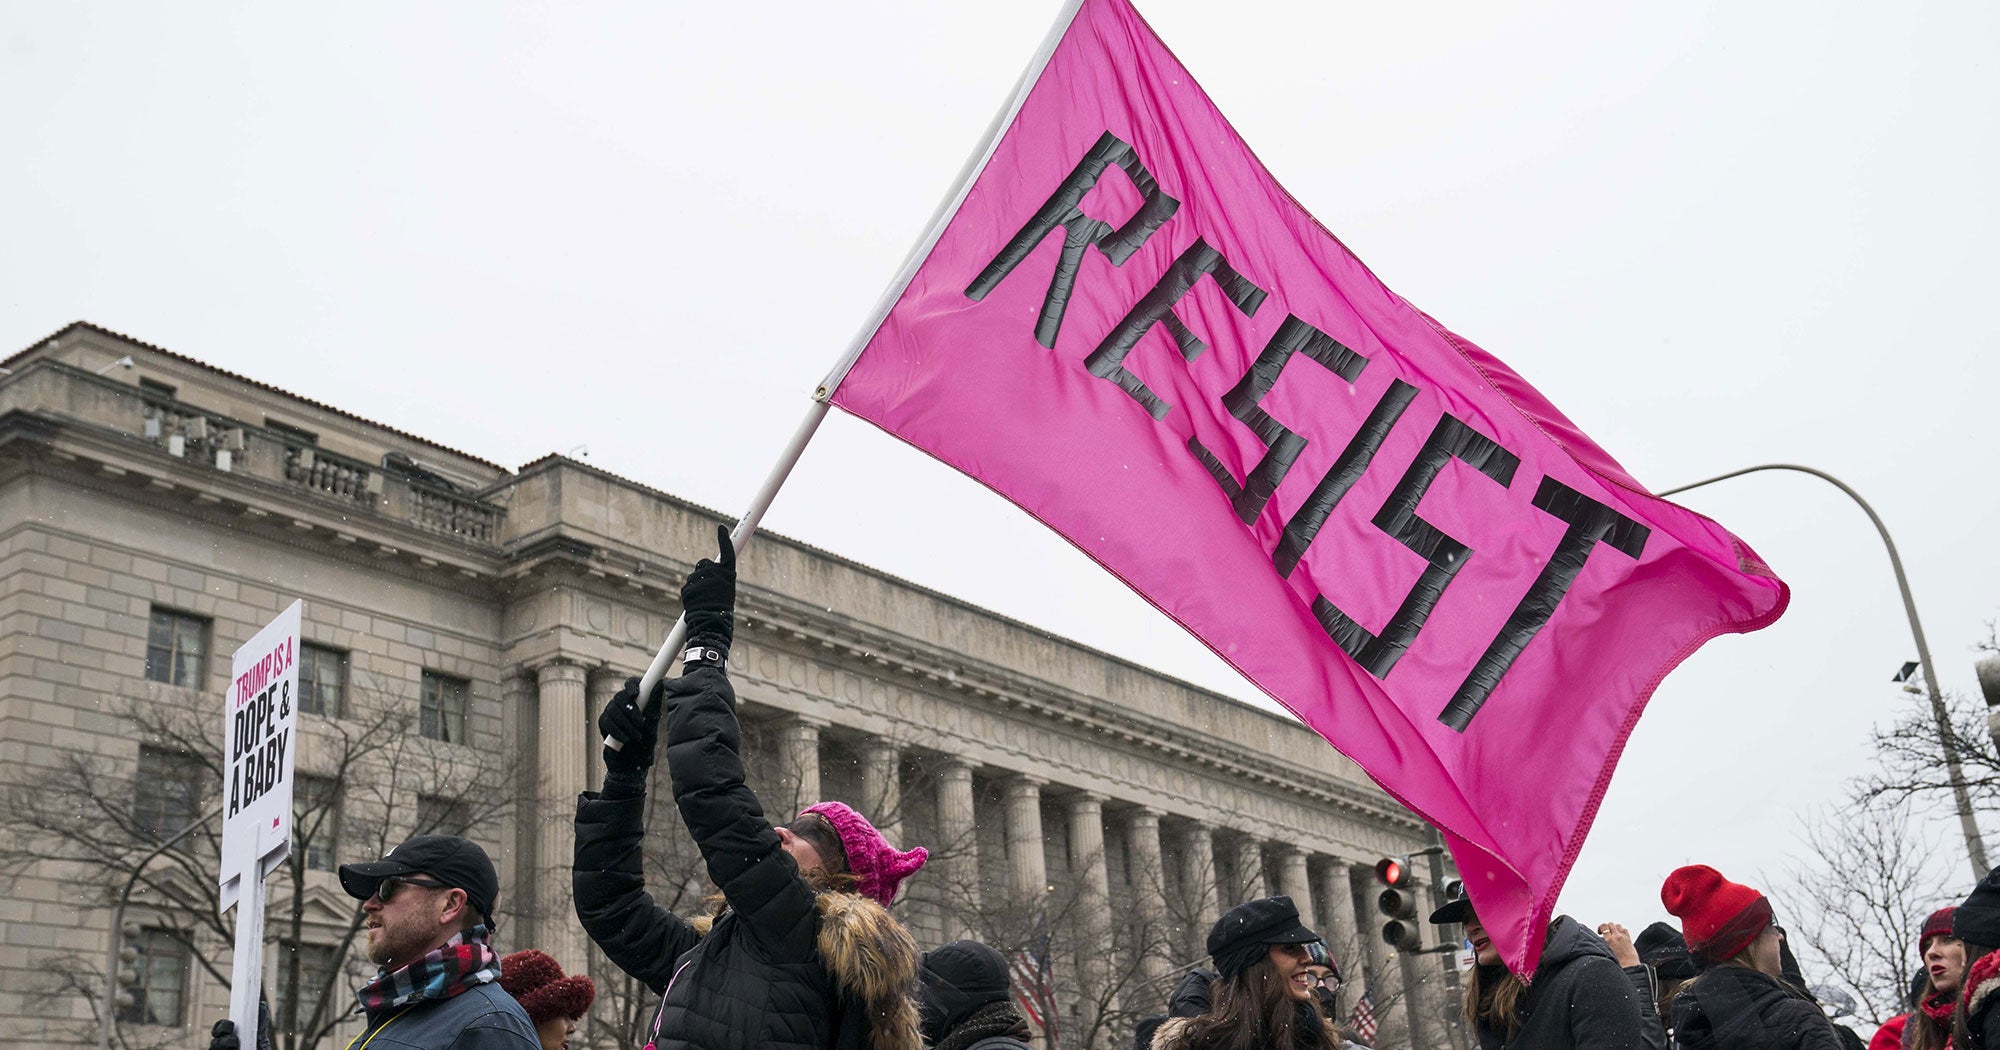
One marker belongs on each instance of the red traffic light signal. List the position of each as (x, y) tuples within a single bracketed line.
[(1393, 871)]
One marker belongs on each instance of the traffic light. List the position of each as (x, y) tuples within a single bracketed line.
[(1398, 901), (1454, 889), (131, 975)]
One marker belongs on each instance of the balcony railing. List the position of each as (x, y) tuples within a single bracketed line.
[(230, 445)]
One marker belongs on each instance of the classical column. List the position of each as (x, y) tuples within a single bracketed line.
[(1294, 883), (1249, 871), (1149, 889), (1384, 970), (882, 787), (958, 843), (1027, 867), (560, 775), (1338, 925), (1198, 871), (798, 749), (604, 684), (1093, 883)]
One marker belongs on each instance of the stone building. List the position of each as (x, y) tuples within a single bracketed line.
[(464, 624)]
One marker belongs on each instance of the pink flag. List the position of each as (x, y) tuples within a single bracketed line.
[(1129, 329)]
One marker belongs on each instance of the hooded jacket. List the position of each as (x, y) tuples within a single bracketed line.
[(965, 1000), (783, 966), (1982, 994), (1580, 998), (1737, 1008)]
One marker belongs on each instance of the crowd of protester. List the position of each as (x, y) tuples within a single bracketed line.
[(800, 949)]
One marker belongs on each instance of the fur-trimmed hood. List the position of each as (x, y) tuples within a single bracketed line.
[(1982, 984), (871, 957)]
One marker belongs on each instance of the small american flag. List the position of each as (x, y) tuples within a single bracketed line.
[(1034, 983), (1362, 1020)]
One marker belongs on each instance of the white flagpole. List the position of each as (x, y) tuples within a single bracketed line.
[(948, 207), (823, 396)]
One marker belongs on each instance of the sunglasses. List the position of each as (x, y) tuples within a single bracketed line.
[(386, 890)]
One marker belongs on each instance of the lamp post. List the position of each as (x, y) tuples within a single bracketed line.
[(109, 1019), (1975, 848)]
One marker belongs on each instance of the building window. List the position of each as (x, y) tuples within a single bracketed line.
[(298, 1004), (442, 816), (156, 984), (176, 648), (316, 821), (166, 792), (322, 680), (442, 706)]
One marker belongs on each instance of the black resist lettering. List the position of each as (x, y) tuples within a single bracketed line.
[(1450, 439), (1590, 523), (1281, 445), (1080, 230), (1157, 307), (1346, 470)]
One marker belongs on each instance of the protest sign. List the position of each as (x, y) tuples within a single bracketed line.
[(260, 717)]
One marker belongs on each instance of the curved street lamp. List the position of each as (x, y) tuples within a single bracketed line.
[(1975, 848)]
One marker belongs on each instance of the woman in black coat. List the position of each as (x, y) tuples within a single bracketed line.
[(803, 953), (1976, 923), (1580, 999), (1739, 1001), (1261, 994)]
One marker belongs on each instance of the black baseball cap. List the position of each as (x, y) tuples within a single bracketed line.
[(456, 862), (1453, 911)]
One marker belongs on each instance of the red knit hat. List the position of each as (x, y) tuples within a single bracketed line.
[(878, 866), (1937, 925), (1719, 918), (537, 983)]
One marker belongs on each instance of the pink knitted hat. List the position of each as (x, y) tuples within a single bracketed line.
[(879, 866)]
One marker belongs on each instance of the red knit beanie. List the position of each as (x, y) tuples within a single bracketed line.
[(1719, 918), (1938, 925), (537, 983), (878, 866)]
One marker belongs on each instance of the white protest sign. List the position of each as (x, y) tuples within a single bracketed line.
[(260, 717)]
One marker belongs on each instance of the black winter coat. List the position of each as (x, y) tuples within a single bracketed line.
[(782, 967), (1581, 1000), (1981, 995), (1737, 1008)]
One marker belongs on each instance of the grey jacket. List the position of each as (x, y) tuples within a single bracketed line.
[(483, 1017)]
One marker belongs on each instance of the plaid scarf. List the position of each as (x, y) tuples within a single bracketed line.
[(462, 962)]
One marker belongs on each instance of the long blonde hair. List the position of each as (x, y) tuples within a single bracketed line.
[(1493, 1000)]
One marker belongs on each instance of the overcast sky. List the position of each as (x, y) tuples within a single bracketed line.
[(1715, 234)]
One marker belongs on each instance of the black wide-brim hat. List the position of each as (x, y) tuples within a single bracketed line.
[(458, 863)]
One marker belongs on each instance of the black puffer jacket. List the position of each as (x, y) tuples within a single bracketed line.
[(782, 966), (1737, 1008), (1580, 1000)]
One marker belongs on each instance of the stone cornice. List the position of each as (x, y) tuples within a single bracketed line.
[(135, 470)]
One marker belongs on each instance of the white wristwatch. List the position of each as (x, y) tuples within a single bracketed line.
[(703, 655)]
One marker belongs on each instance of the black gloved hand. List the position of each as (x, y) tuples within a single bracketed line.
[(636, 726), (223, 1035), (708, 597)]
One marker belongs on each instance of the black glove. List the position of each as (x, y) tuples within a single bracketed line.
[(638, 728), (223, 1035), (708, 597)]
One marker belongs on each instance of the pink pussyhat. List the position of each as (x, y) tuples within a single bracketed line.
[(879, 867)]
